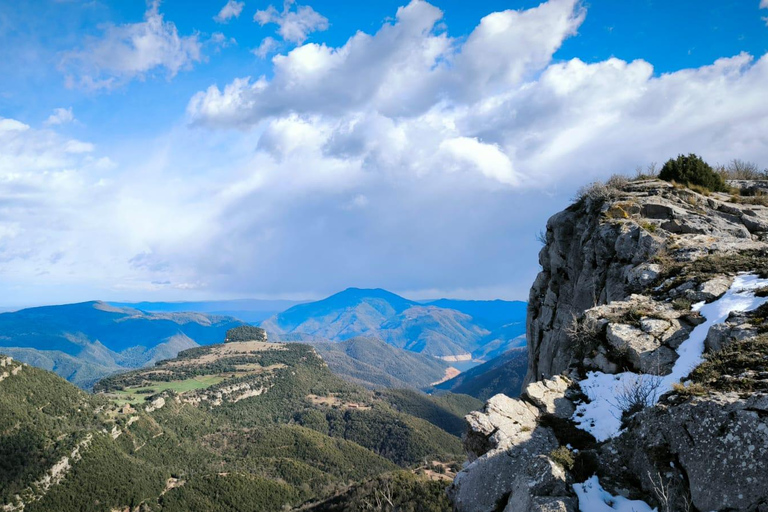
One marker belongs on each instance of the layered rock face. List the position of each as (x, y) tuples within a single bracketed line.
[(624, 273), (601, 251)]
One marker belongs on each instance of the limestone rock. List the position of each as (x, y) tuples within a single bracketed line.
[(542, 486), (711, 290), (549, 396), (502, 422), (736, 328), (644, 350), (486, 483), (154, 405), (592, 260), (719, 444)]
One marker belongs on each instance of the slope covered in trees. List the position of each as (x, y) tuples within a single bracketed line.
[(238, 426)]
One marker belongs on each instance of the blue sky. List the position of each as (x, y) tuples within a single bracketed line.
[(151, 151)]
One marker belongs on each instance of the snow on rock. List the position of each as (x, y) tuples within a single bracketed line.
[(601, 416), (593, 498)]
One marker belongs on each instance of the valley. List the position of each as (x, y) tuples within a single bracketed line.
[(266, 424)]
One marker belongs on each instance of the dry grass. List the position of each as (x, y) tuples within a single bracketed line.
[(725, 369), (563, 456), (756, 200), (692, 389)]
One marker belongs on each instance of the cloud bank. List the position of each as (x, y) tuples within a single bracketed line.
[(408, 159)]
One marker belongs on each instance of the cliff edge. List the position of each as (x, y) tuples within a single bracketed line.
[(647, 383)]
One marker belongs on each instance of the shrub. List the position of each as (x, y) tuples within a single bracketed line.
[(585, 334), (595, 191), (692, 170), (742, 170), (638, 393), (691, 389), (682, 304), (562, 456), (617, 182), (651, 172)]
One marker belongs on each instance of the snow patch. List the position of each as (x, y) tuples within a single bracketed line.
[(601, 417), (593, 498)]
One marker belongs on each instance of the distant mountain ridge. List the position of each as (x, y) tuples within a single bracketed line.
[(247, 310), (86, 341), (445, 328)]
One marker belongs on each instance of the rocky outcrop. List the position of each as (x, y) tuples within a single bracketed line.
[(624, 273), (510, 465), (601, 250), (711, 451)]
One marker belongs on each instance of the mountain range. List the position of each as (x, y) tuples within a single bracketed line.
[(452, 330), (370, 337), (87, 341), (247, 310)]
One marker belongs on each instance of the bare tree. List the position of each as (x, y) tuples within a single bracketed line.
[(663, 492)]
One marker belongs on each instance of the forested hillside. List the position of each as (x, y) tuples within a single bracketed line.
[(503, 374), (374, 364), (246, 425)]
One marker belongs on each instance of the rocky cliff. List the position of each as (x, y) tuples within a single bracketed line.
[(647, 382)]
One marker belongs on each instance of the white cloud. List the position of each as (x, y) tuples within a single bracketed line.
[(407, 159), (294, 25), (487, 158), (129, 51), (60, 116), (231, 9), (411, 97), (268, 45), (764, 5)]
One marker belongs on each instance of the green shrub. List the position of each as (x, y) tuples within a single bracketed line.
[(692, 170)]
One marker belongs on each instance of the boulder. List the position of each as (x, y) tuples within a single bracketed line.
[(550, 396), (503, 422), (541, 487), (642, 349), (710, 290), (487, 483)]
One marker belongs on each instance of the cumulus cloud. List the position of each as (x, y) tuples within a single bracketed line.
[(495, 102), (133, 50), (71, 221), (407, 158), (43, 183), (60, 116), (231, 9), (295, 22)]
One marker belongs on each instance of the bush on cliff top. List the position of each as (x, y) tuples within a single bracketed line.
[(693, 170)]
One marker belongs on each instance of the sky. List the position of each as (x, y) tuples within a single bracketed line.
[(189, 150)]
